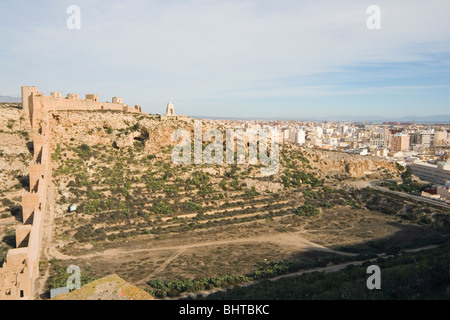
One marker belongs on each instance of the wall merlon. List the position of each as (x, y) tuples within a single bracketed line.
[(17, 256), (73, 96), (37, 172), (117, 100), (30, 203), (23, 235), (92, 97)]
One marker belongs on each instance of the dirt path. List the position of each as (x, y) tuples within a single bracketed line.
[(294, 240), (161, 267), (282, 239)]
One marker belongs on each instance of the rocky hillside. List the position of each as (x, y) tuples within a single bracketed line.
[(15, 148), (125, 130), (118, 129), (355, 166), (15, 155)]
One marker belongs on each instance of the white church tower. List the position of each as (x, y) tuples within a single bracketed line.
[(170, 111)]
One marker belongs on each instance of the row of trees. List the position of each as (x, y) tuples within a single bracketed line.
[(264, 270)]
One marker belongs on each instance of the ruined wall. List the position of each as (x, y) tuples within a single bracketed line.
[(21, 267)]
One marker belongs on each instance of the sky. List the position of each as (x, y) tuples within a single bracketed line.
[(235, 58)]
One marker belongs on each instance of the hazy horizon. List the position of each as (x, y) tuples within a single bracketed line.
[(340, 118), (236, 59)]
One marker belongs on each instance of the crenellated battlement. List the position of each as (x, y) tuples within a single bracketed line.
[(35, 103)]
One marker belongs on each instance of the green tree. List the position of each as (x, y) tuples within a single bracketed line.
[(407, 176)]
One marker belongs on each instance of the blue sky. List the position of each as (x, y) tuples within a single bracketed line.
[(289, 59)]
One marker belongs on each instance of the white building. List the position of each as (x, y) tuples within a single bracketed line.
[(319, 132), (300, 137)]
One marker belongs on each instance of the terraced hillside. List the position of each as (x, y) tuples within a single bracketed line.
[(150, 221)]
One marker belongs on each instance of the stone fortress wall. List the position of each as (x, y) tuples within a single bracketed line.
[(21, 267)]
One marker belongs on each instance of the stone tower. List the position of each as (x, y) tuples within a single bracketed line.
[(170, 111), (26, 93)]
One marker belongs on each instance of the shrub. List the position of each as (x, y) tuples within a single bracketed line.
[(399, 167), (327, 205), (7, 202), (153, 184), (57, 154), (94, 195), (306, 210), (191, 206), (25, 134), (200, 178), (163, 207), (10, 123), (251, 193), (84, 151)]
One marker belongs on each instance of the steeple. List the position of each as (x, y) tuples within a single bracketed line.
[(170, 111)]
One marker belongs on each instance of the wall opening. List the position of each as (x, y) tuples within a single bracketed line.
[(21, 293)]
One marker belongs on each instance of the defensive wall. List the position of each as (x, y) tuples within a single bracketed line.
[(21, 267)]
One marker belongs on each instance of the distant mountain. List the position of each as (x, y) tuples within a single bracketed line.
[(438, 118), (10, 99), (416, 119)]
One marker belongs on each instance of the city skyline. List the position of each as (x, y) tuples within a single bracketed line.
[(241, 59)]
